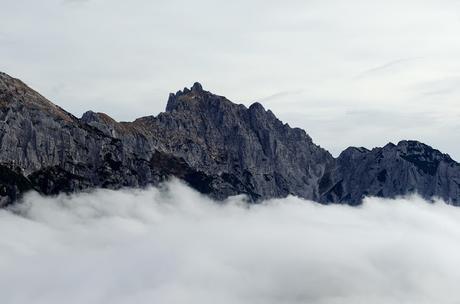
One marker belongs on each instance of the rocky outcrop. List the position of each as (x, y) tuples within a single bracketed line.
[(217, 147), (394, 170)]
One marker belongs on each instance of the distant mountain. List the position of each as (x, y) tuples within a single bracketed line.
[(217, 147)]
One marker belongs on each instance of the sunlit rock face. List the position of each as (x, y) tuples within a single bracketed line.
[(218, 147)]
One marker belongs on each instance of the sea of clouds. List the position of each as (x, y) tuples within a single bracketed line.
[(173, 245)]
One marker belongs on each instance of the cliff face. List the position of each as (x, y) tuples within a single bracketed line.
[(221, 148), (217, 147), (408, 167)]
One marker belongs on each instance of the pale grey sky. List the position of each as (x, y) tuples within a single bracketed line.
[(349, 72)]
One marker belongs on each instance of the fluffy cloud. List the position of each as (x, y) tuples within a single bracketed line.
[(172, 245)]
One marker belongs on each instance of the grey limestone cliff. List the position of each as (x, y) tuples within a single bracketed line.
[(394, 170), (217, 147)]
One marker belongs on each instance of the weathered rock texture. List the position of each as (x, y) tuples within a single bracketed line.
[(217, 147)]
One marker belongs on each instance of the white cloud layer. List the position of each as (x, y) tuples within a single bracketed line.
[(172, 245)]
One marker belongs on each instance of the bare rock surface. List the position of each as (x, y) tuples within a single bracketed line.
[(218, 147)]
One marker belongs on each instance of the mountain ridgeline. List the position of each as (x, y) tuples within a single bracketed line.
[(217, 147)]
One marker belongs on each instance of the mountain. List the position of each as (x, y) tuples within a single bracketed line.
[(394, 170), (217, 147)]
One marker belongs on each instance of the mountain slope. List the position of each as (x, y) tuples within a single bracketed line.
[(408, 167), (218, 147)]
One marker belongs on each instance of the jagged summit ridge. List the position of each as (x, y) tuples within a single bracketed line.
[(216, 146)]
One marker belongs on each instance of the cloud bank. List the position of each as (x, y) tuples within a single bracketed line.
[(172, 245)]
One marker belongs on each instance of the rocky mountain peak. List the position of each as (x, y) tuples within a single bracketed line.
[(216, 146), (15, 94), (196, 100), (353, 152), (13, 89), (421, 151), (193, 95), (257, 107), (197, 88), (424, 157)]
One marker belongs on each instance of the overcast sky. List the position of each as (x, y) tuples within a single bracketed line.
[(350, 72)]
